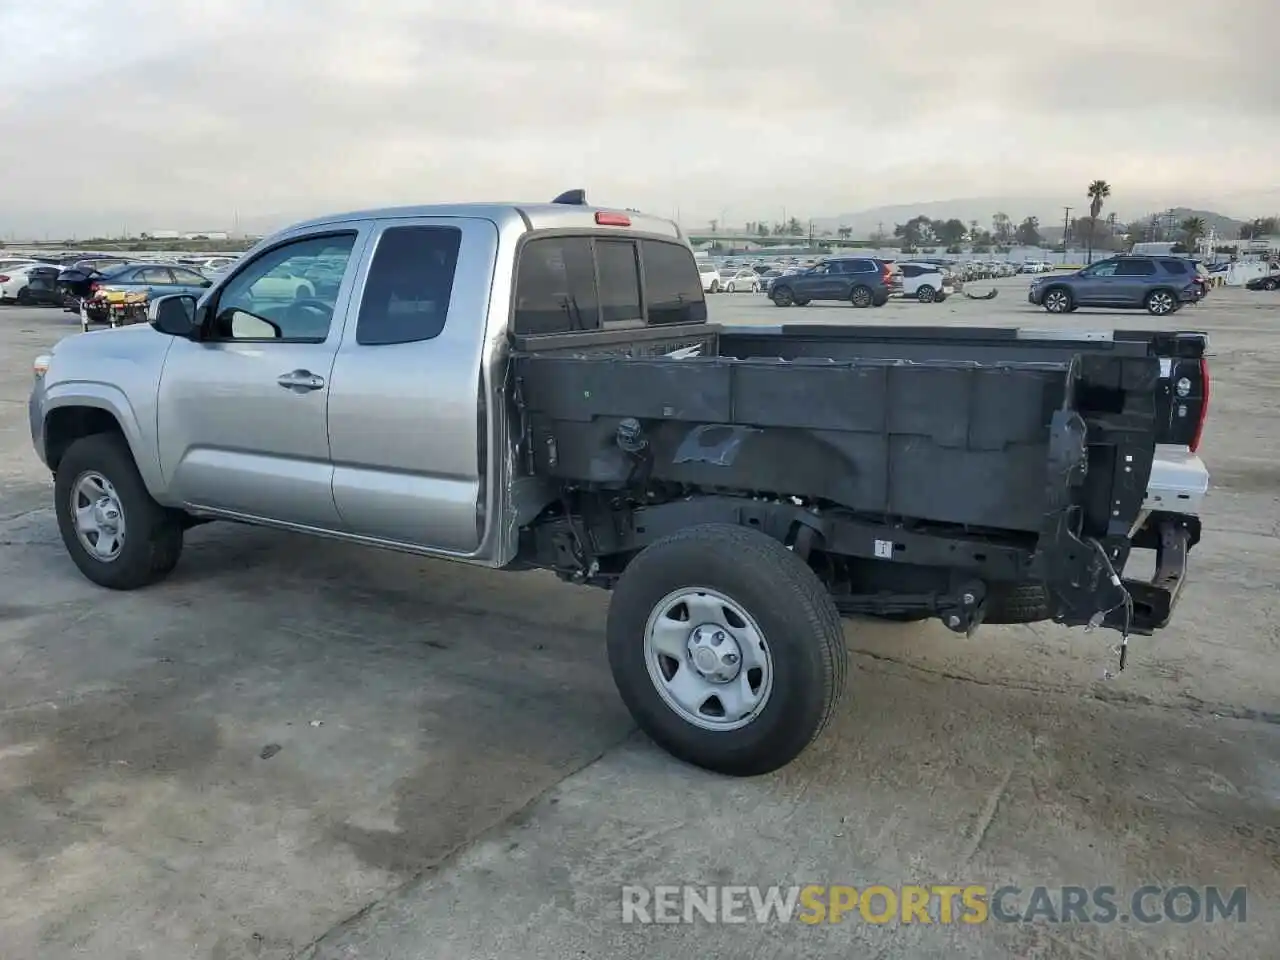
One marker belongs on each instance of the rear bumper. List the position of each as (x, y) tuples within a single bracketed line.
[(1179, 481)]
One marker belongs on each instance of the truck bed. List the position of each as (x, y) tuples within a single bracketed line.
[(1025, 437)]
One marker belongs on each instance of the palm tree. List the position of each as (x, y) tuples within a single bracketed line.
[(1099, 190), (1193, 229)]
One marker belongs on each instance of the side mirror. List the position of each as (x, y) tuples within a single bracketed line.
[(174, 315), (206, 283)]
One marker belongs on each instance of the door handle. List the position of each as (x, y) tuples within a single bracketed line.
[(300, 381)]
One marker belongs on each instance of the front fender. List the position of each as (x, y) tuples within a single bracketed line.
[(138, 426)]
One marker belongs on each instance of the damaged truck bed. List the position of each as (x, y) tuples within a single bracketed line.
[(970, 474)]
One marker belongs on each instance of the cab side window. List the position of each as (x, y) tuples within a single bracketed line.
[(272, 299), (406, 297)]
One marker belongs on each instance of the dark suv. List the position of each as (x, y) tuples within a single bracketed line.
[(1160, 285), (862, 281)]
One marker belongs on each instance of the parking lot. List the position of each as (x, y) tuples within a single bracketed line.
[(300, 748)]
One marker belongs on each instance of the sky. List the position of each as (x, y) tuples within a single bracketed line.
[(171, 114)]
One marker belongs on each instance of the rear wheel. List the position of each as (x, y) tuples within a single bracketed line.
[(926, 294), (861, 297), (781, 296), (1270, 284), (24, 297), (1160, 303), (726, 648)]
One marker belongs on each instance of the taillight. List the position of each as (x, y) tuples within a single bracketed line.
[(3, 279), (1204, 404), (95, 287)]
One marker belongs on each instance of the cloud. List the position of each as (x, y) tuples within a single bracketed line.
[(157, 113)]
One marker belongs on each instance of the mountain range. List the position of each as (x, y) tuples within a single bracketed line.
[(1240, 209)]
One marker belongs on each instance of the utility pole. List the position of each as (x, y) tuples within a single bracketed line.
[(1066, 224)]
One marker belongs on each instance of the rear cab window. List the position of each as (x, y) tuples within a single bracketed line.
[(1174, 265), (566, 284)]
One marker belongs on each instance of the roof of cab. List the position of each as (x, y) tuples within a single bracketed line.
[(536, 216)]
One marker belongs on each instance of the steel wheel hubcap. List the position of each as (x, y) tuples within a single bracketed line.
[(97, 516), (708, 659), (1161, 302)]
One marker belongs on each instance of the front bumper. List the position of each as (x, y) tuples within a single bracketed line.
[(35, 414)]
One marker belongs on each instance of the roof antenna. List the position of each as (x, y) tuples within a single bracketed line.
[(574, 198)]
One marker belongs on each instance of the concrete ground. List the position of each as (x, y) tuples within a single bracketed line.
[(295, 748)]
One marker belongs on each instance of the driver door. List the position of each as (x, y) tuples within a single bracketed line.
[(821, 283), (1096, 286), (242, 411)]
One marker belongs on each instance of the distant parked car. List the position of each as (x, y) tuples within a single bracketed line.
[(146, 279), (76, 281), (710, 275), (1160, 285), (1270, 282), (211, 265), (925, 282), (29, 284), (741, 281), (862, 281)]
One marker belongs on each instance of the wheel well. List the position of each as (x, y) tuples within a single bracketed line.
[(65, 425)]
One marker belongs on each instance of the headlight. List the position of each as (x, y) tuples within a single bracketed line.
[(41, 365)]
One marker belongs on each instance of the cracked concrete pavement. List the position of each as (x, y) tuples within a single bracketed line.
[(295, 748)]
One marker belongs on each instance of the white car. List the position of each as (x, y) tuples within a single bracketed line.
[(13, 276), (925, 282), (212, 265), (710, 274), (738, 281)]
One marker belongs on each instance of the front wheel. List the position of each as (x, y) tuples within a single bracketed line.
[(781, 296), (1270, 284), (115, 533), (1161, 303), (24, 297), (715, 286), (726, 648), (1058, 300)]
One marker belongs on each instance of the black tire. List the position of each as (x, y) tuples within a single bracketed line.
[(24, 297), (1017, 603), (153, 534), (1270, 284), (1058, 300), (861, 297), (781, 296), (795, 615), (1161, 303), (926, 294)]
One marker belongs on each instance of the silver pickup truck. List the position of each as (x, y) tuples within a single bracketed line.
[(537, 386)]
